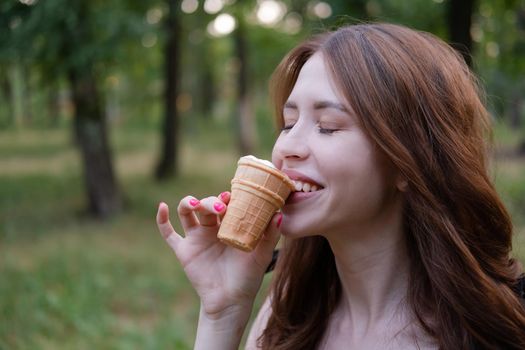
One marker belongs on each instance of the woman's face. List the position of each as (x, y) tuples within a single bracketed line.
[(342, 183)]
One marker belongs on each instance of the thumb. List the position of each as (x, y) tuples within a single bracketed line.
[(271, 236)]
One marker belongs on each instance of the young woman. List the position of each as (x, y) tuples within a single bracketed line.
[(402, 244)]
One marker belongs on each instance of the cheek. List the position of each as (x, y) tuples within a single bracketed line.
[(276, 159), (359, 179)]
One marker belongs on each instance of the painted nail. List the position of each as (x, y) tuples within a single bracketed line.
[(218, 207), (279, 220), (160, 203), (194, 202), (223, 195)]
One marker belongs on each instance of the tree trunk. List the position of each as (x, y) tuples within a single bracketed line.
[(168, 163), (207, 90), (245, 126), (91, 135), (7, 94), (459, 23), (26, 94), (53, 106)]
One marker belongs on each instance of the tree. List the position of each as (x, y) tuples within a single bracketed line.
[(11, 51), (90, 123), (459, 24), (244, 118), (75, 40), (167, 166), (6, 89), (499, 29)]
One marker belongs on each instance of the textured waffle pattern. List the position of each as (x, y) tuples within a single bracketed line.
[(261, 179), (257, 193)]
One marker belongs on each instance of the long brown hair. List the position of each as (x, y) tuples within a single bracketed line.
[(418, 101)]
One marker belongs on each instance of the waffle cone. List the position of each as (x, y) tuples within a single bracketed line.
[(257, 192)]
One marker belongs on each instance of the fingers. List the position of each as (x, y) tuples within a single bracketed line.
[(165, 227), (210, 210), (225, 197), (271, 235), (206, 212), (186, 210)]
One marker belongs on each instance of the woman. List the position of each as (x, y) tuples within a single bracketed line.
[(404, 244)]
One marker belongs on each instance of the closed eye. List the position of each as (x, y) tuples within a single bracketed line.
[(287, 127), (327, 131)]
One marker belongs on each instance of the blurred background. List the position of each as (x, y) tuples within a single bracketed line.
[(109, 106)]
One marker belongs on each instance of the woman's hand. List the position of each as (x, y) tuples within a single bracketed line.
[(226, 279)]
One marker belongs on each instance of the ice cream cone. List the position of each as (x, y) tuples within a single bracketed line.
[(257, 192)]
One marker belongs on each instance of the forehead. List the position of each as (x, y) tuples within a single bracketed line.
[(315, 82)]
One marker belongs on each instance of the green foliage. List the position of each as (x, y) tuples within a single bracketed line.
[(57, 34), (514, 193), (127, 46), (421, 14), (499, 33), (266, 49), (11, 32)]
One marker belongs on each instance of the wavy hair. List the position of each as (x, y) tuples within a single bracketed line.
[(419, 103)]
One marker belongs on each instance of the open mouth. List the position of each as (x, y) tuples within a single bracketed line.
[(303, 186)]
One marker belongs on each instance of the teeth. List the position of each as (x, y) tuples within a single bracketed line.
[(305, 186)]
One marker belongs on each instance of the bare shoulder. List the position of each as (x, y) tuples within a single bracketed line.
[(258, 325)]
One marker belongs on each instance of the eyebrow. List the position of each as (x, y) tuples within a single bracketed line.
[(319, 105)]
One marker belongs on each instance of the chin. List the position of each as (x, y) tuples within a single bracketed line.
[(292, 230)]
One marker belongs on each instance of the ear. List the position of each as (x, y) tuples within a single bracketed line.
[(401, 185)]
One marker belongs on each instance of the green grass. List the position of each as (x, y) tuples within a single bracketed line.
[(68, 282), (94, 286), (21, 144)]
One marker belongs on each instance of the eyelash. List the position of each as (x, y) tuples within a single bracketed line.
[(327, 131), (321, 130)]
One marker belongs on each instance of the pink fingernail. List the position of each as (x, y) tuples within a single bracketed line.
[(194, 202), (223, 195), (218, 207), (279, 220)]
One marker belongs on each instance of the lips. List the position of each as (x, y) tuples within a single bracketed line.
[(305, 186), (302, 182)]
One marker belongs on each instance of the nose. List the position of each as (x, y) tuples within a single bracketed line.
[(291, 145)]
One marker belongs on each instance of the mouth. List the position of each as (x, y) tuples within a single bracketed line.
[(302, 182), (304, 186)]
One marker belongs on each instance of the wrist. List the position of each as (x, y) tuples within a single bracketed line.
[(233, 312), (222, 329)]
